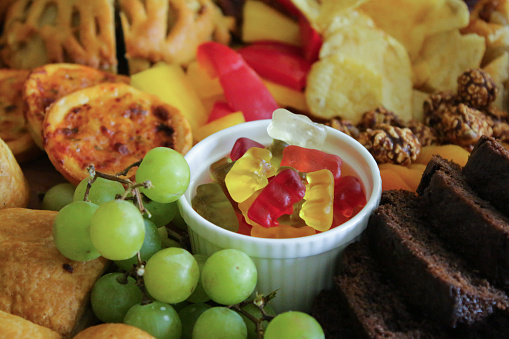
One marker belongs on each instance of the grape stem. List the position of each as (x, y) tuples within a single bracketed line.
[(259, 301)]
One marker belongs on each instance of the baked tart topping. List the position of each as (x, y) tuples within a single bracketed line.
[(110, 126)]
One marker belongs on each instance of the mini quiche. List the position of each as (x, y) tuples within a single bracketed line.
[(48, 83), (110, 126), (13, 127)]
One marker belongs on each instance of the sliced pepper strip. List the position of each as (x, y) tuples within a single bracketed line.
[(243, 88)]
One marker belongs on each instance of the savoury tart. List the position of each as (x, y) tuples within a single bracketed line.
[(13, 127), (48, 83), (49, 31), (110, 126)]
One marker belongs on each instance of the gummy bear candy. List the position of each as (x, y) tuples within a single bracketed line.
[(211, 203), (276, 149), (277, 198), (348, 194), (219, 169), (249, 173), (310, 160), (317, 209), (296, 129), (241, 146)]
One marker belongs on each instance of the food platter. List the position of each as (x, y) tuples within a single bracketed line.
[(433, 80)]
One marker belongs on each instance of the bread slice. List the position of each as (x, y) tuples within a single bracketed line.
[(468, 224), (487, 172), (428, 276), (38, 283)]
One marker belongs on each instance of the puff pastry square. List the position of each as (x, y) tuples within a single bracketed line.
[(37, 283), (169, 30), (49, 31)]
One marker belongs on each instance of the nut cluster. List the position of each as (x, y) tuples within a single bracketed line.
[(459, 118)]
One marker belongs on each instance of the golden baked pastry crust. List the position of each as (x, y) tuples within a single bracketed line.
[(169, 30), (12, 326), (13, 127), (113, 331), (14, 190), (50, 31), (48, 83), (110, 126), (38, 283)]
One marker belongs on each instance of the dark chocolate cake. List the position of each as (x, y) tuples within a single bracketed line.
[(428, 276), (468, 224), (376, 308), (487, 172)]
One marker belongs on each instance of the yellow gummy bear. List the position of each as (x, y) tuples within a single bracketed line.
[(317, 209)]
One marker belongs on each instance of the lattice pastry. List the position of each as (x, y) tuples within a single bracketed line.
[(49, 31), (169, 30)]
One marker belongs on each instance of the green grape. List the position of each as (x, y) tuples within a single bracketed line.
[(117, 230), (229, 276), (171, 275), (102, 190), (167, 241), (255, 312), (71, 231), (293, 324), (218, 323), (161, 214), (188, 316), (57, 197), (157, 318), (113, 295), (168, 172), (199, 295), (151, 245), (179, 222)]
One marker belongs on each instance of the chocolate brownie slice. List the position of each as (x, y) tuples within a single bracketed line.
[(375, 307), (487, 172), (471, 226), (427, 275)]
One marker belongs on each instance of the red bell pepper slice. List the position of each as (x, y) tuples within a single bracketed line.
[(311, 40), (219, 110), (278, 62), (243, 89)]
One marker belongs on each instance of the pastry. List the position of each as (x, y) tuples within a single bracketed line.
[(14, 189), (50, 31), (48, 83), (169, 30), (13, 127), (113, 331), (38, 283), (12, 326), (110, 125)]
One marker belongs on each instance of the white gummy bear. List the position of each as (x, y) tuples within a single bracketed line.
[(296, 129)]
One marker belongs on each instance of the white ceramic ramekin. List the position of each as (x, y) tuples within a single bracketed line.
[(301, 267)]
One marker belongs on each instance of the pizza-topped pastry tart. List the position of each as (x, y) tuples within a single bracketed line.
[(169, 30), (110, 125), (13, 127), (48, 83), (50, 31)]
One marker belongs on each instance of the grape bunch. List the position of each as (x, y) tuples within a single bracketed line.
[(159, 286)]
